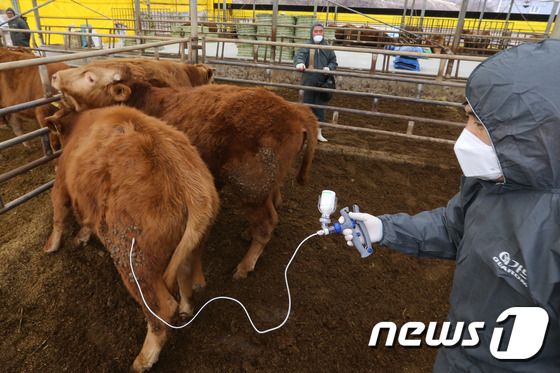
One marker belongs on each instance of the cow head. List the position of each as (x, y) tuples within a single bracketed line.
[(90, 87), (200, 74)]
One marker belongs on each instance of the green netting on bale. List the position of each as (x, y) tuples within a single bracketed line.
[(245, 50), (129, 42), (246, 32), (286, 54), (206, 32), (304, 20), (329, 34), (152, 33), (286, 20), (264, 32)]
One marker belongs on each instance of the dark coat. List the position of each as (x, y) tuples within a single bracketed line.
[(505, 237), (322, 58), (19, 39)]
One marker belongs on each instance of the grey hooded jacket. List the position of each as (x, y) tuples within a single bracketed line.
[(504, 237), (19, 39), (322, 58)]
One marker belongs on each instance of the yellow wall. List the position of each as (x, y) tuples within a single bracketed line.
[(68, 13)]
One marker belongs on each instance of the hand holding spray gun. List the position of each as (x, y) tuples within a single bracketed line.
[(359, 229)]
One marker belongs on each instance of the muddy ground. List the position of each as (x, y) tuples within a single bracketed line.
[(70, 312)]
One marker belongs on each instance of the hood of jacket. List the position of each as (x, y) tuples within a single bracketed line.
[(311, 33), (516, 95)]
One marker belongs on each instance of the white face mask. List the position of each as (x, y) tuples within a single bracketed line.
[(318, 38), (476, 158)]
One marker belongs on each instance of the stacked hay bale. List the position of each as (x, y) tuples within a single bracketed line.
[(285, 34), (264, 31), (246, 31), (304, 32), (184, 31), (329, 35), (304, 23), (148, 33)]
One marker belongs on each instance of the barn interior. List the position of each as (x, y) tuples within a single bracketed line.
[(390, 143)]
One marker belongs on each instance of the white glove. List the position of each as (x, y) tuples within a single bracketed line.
[(373, 225), (300, 66), (326, 68)]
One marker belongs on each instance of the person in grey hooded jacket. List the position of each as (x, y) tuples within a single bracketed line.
[(503, 227), (323, 60), (19, 39)]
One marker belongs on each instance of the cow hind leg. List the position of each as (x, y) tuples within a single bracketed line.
[(162, 303), (247, 235), (16, 124), (198, 281), (185, 276), (61, 212), (262, 220)]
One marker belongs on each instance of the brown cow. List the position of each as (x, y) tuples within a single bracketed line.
[(373, 37), (22, 85), (437, 43), (410, 35), (248, 137), (159, 73), (476, 40), (127, 175), (346, 33)]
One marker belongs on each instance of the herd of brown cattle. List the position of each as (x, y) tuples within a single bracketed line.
[(147, 145), (474, 41)]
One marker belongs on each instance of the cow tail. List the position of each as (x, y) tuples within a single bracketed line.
[(311, 131), (200, 218)]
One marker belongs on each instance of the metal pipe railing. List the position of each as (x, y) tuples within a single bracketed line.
[(28, 105), (351, 93)]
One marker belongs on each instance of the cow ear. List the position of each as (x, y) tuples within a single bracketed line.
[(53, 122), (120, 92), (210, 75)]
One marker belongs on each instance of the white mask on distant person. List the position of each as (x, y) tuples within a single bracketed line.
[(476, 158), (318, 38)]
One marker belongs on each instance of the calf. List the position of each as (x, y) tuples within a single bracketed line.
[(127, 175), (22, 85), (248, 137)]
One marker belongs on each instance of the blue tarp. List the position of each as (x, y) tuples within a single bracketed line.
[(407, 62)]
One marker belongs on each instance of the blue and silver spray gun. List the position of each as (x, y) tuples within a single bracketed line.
[(327, 205)]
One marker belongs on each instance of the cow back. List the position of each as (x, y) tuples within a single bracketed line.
[(23, 84), (118, 163)]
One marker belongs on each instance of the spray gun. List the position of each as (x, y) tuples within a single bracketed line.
[(327, 205)]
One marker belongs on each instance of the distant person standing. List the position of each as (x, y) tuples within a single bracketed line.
[(323, 60), (19, 39)]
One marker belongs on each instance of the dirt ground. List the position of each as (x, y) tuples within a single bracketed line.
[(69, 311)]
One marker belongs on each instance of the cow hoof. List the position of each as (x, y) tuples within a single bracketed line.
[(239, 274), (83, 236), (141, 364), (185, 309), (47, 249), (50, 247), (138, 368)]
